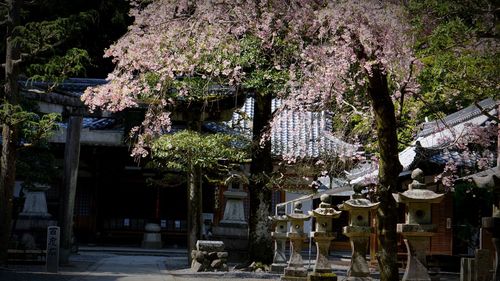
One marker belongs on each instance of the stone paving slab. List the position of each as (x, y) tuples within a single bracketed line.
[(94, 266)]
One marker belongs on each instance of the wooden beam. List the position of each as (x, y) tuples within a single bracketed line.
[(70, 176)]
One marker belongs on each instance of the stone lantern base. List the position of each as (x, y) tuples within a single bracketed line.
[(295, 271), (152, 236), (315, 276), (279, 260)]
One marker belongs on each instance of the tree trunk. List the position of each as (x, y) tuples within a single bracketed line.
[(194, 200), (260, 242), (9, 131), (70, 177), (194, 209), (389, 169)]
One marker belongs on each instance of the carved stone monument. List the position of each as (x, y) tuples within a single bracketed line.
[(358, 231), (233, 228), (295, 271), (279, 236), (418, 227), (323, 236), (52, 256)]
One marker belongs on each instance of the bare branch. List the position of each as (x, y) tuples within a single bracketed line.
[(403, 90), (354, 108), (486, 112)]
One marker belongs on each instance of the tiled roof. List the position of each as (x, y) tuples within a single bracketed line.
[(430, 142), (72, 86), (95, 123), (466, 115), (297, 134)]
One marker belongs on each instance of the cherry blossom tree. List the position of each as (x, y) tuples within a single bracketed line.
[(190, 46), (363, 55)]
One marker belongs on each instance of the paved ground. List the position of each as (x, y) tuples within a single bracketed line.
[(135, 265)]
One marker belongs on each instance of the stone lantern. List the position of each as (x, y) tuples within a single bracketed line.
[(491, 180), (323, 235), (32, 222), (418, 227), (279, 236), (358, 231), (233, 228), (295, 270)]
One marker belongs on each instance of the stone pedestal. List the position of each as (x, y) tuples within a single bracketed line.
[(418, 227), (152, 236), (323, 236), (279, 236), (359, 269), (322, 269), (358, 231), (416, 268), (32, 222), (295, 271)]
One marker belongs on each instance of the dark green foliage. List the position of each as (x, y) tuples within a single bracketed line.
[(37, 165), (458, 45), (186, 150), (58, 32)]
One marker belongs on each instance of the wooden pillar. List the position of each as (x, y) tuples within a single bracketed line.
[(70, 176)]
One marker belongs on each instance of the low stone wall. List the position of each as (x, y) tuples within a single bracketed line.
[(209, 256)]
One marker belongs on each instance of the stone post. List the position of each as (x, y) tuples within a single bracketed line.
[(417, 228), (279, 236), (52, 256), (323, 236), (295, 271), (358, 231)]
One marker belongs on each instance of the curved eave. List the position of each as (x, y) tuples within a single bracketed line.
[(418, 196), (353, 204), (298, 216), (333, 214)]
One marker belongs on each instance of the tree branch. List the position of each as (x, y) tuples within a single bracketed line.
[(402, 89), (486, 112), (354, 108)]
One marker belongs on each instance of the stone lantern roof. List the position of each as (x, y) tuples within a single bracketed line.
[(325, 209), (417, 192), (358, 203)]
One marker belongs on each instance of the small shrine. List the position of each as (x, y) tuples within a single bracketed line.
[(358, 231), (418, 227), (295, 271), (279, 236), (323, 235)]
